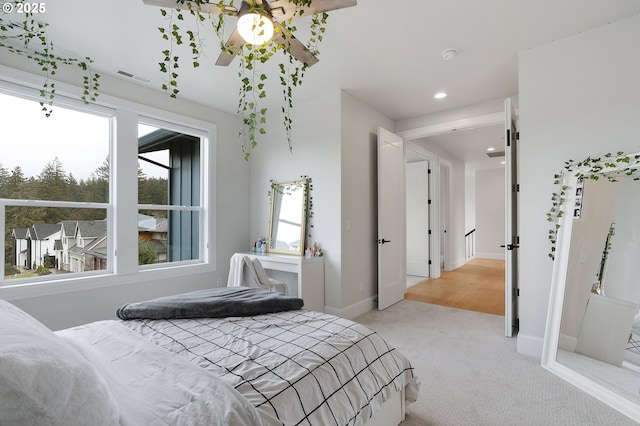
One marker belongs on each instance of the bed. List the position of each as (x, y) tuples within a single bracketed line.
[(287, 367)]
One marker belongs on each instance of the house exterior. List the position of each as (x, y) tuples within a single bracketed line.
[(154, 231), (21, 247), (89, 249), (40, 242), (79, 246)]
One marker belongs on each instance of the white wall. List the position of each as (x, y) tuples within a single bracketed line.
[(316, 153), (490, 213), (578, 97), (359, 128), (334, 142), (232, 214)]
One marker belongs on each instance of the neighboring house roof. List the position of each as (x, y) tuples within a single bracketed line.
[(97, 247), (69, 227), (160, 246), (19, 233), (42, 231), (163, 225), (91, 228)]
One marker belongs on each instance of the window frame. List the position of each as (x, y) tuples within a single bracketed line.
[(162, 124), (122, 270)]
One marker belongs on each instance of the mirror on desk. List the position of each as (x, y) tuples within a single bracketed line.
[(287, 221), (593, 327)]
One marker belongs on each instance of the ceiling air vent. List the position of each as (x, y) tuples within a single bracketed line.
[(133, 76), (495, 154)]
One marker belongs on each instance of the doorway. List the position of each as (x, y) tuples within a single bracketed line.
[(440, 225)]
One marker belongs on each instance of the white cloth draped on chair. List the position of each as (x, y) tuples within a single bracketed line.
[(255, 274), (235, 270), (260, 278)]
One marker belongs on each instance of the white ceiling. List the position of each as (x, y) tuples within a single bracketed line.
[(384, 53)]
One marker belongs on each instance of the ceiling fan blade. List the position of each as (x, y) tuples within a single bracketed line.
[(211, 8), (296, 47), (283, 10), (234, 43)]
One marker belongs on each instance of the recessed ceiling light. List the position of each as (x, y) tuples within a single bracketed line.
[(440, 95), (503, 162), (490, 149)]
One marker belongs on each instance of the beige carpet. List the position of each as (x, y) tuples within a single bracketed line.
[(471, 374)]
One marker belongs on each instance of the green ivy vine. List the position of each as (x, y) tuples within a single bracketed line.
[(252, 88), (609, 166), (29, 38)]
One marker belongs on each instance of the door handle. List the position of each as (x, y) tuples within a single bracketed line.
[(382, 241)]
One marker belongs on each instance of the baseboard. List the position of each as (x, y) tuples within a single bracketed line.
[(458, 263), (529, 345), (354, 310), (495, 256)]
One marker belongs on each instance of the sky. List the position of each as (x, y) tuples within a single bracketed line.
[(31, 140)]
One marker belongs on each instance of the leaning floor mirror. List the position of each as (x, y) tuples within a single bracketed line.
[(592, 338)]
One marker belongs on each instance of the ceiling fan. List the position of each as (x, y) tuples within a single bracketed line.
[(261, 22)]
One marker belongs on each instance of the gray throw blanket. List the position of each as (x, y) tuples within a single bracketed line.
[(211, 303)]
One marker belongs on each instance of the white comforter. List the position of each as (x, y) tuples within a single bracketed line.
[(155, 387), (299, 367)]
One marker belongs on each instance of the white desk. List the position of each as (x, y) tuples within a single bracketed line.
[(309, 281)]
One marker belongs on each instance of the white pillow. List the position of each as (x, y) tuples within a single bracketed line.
[(45, 381)]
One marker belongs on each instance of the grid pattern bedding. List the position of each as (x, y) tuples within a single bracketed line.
[(298, 367)]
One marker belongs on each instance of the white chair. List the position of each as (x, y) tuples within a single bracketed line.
[(259, 277)]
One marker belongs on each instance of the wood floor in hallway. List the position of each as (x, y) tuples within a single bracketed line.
[(478, 286)]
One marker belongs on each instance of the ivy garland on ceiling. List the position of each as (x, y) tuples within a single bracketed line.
[(29, 39), (609, 166), (252, 81)]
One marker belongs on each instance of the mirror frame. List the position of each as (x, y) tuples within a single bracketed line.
[(304, 184), (610, 167)]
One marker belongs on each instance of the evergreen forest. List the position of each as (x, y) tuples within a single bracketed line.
[(55, 184)]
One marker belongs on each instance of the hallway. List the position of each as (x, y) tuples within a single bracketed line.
[(478, 286)]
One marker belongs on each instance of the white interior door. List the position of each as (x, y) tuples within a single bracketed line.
[(392, 245), (445, 214), (511, 216), (418, 228)]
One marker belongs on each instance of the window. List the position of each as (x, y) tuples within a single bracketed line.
[(169, 185), (65, 202), (54, 190)]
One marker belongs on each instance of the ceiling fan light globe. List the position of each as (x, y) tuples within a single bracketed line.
[(255, 28)]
